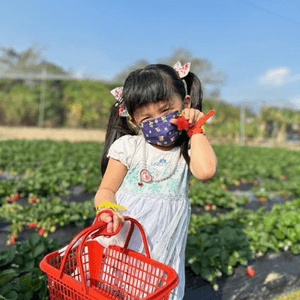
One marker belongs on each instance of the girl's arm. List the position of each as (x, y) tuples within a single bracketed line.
[(111, 181), (203, 163)]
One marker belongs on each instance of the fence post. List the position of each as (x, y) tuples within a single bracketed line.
[(43, 97), (242, 124)]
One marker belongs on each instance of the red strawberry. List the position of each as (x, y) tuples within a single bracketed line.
[(13, 239), (208, 207), (285, 195), (250, 272), (41, 231), (33, 200), (9, 199), (262, 199), (225, 188), (15, 196), (255, 182), (32, 225)]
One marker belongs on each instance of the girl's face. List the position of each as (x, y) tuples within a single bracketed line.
[(155, 110)]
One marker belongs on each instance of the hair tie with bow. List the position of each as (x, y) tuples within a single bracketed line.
[(182, 70), (118, 94)]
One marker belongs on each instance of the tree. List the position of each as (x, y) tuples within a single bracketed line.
[(139, 64), (211, 78), (28, 60)]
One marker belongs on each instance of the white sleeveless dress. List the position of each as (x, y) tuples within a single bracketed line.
[(163, 208)]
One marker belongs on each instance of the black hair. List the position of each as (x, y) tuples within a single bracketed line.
[(152, 84)]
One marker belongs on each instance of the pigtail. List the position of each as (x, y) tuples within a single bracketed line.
[(194, 89), (117, 127)]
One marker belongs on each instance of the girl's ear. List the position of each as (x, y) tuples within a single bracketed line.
[(187, 102)]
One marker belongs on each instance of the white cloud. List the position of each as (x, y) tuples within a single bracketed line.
[(275, 77), (278, 77)]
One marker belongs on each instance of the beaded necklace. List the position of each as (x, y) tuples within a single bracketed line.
[(145, 175)]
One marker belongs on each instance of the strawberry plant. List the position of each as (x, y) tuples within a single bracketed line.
[(215, 248), (203, 193), (46, 215), (48, 167), (20, 275)]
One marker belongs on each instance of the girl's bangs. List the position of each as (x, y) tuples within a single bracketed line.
[(150, 86)]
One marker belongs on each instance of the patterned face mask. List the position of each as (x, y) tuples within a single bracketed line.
[(160, 131)]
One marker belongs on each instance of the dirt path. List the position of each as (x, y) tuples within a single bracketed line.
[(97, 135), (58, 134)]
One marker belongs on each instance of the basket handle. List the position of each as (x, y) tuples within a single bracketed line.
[(100, 227), (133, 221), (97, 225)]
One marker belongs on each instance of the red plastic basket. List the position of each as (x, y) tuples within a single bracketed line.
[(88, 270)]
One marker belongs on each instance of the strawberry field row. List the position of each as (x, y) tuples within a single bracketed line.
[(48, 168)]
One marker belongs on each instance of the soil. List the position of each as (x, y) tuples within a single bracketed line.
[(58, 134), (98, 135), (276, 274)]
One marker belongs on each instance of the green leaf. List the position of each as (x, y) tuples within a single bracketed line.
[(29, 266), (39, 249), (289, 218), (297, 230), (6, 288), (269, 221), (6, 257), (295, 249), (279, 234), (7, 275), (34, 239), (224, 256), (28, 295), (12, 295), (57, 209), (292, 235), (25, 246), (19, 260), (25, 281)]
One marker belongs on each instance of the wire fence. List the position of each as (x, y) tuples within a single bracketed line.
[(42, 77)]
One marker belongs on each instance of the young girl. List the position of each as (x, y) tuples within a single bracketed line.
[(148, 173)]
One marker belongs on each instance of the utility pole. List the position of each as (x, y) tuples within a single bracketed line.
[(242, 134), (43, 98)]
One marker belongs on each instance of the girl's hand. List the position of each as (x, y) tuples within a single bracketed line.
[(112, 223), (191, 114)]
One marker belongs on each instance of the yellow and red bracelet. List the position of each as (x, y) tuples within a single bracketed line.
[(109, 205)]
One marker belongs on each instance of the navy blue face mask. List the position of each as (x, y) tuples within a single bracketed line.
[(160, 131)]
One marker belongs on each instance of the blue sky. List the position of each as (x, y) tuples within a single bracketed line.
[(255, 43)]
